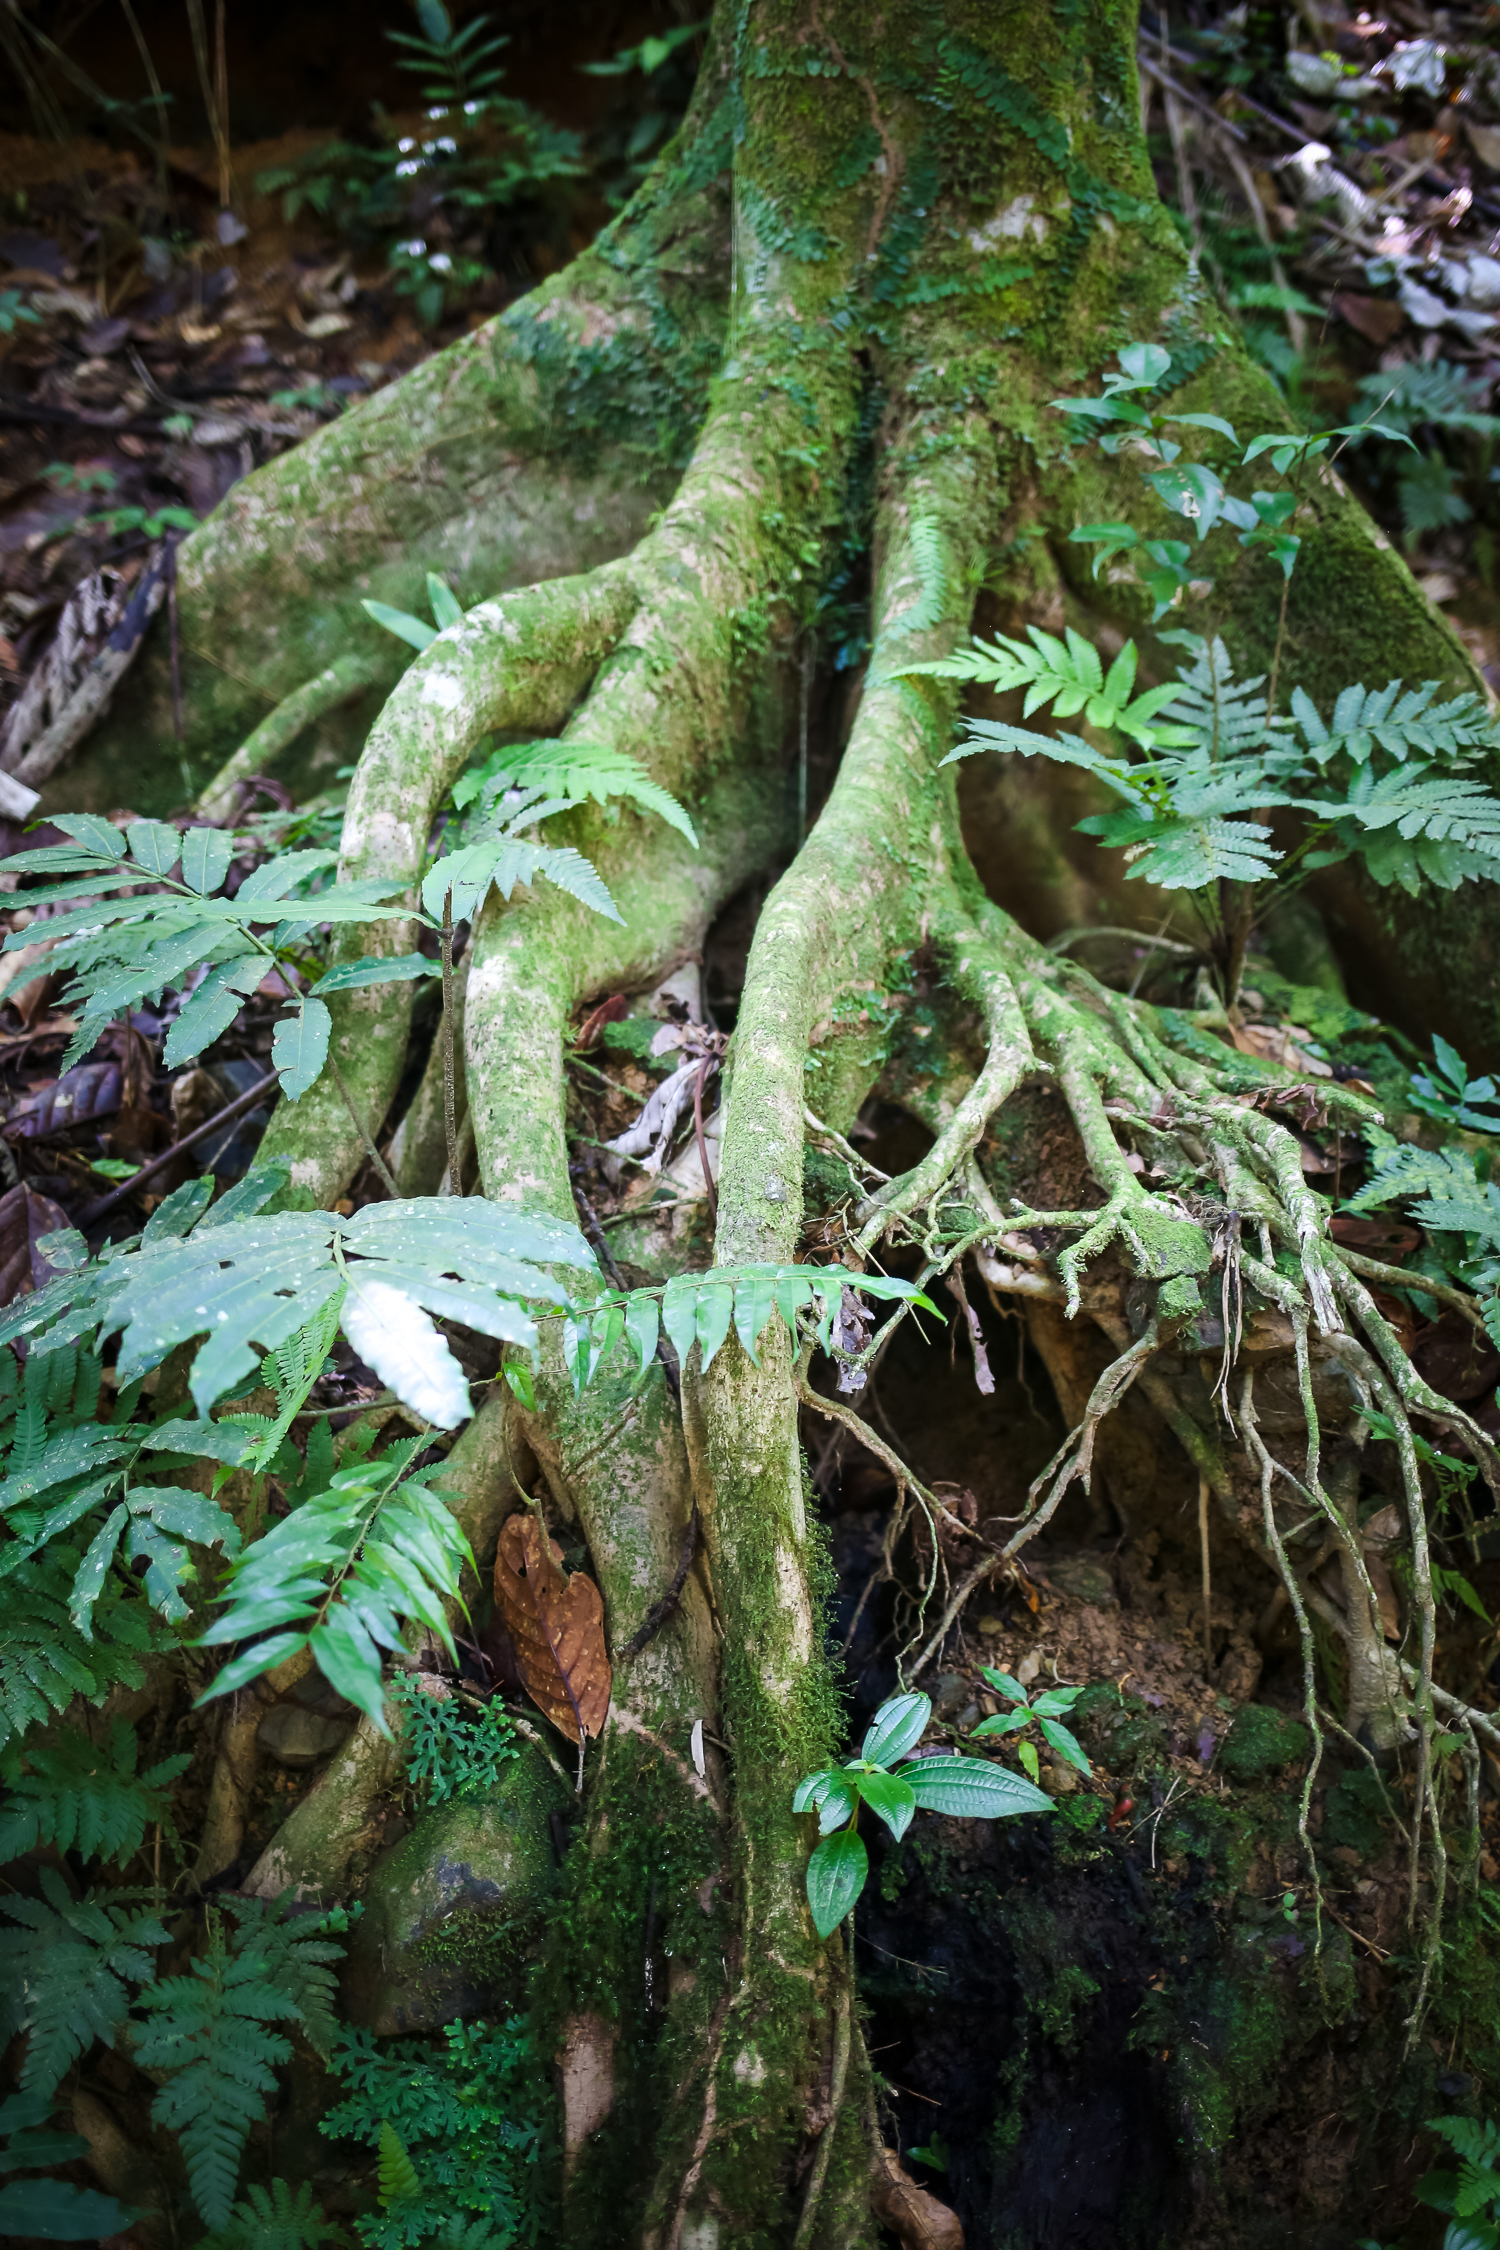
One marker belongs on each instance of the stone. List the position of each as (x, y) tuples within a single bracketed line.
[(453, 1911), (1260, 1742), (950, 1691), (297, 1737), (1084, 1578)]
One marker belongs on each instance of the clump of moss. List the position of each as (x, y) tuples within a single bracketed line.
[(1260, 1742)]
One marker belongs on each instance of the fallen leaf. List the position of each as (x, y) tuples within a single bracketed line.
[(86, 1092), (1377, 319), (556, 1620), (25, 1217), (1485, 142), (608, 1011), (1280, 1043), (916, 2218)]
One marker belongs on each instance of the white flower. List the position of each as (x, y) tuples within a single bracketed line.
[(440, 262)]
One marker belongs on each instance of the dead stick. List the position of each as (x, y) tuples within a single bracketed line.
[(225, 1116)]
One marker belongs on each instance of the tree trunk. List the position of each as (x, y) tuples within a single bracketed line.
[(942, 218)]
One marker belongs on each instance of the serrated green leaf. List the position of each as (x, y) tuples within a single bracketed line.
[(153, 846), (395, 968), (206, 853)]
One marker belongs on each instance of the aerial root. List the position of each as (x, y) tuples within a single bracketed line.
[(339, 683)]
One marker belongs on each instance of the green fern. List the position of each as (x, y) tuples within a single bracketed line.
[(275, 2219), (1068, 675), (298, 1953), (497, 851), (67, 1968), (45, 1660), (697, 1308), (291, 1371), (209, 2031), (575, 770), (80, 1797), (398, 2181), (448, 1753), (338, 1576)]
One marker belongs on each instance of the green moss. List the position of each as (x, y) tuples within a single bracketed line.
[(1260, 1742), (1356, 1815)]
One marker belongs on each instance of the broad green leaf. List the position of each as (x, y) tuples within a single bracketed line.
[(642, 1326), (1066, 1744), (446, 607), (89, 1582), (972, 1789), (1006, 1723), (1144, 364), (1003, 1683), (153, 845), (396, 968), (754, 1305), (679, 1314), (889, 1796), (206, 853), (1203, 422), (212, 1006), (300, 1048), (813, 1788), (415, 631), (836, 1809), (715, 1303), (896, 1728), (94, 834), (59, 2211), (835, 1877)]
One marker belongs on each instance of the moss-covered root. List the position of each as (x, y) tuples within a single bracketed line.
[(537, 447), (311, 1851), (829, 927), (517, 664)]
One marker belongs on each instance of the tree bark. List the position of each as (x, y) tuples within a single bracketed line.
[(941, 217)]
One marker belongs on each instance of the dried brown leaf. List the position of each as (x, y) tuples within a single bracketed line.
[(556, 1620)]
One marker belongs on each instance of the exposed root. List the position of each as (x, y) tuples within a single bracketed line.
[(340, 682)]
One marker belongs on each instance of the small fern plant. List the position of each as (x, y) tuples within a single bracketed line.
[(1388, 777)]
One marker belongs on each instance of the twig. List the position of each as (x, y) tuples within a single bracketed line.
[(224, 1116), (824, 2151), (709, 1189), (450, 1097), (1208, 1628), (357, 1122), (660, 1611)]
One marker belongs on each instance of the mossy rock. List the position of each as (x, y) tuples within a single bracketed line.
[(452, 1912), (1260, 1742)]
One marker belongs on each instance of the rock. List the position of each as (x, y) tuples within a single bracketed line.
[(1084, 1578), (950, 1691), (452, 1912), (295, 1736), (308, 1723)]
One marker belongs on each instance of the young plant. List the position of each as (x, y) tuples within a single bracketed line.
[(449, 1753), (1470, 2197), (1387, 778), (1045, 1710), (969, 1788), (1452, 1096)]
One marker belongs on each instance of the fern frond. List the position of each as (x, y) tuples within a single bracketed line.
[(398, 2180), (1068, 674), (1367, 719), (506, 860), (298, 1955), (67, 1966), (210, 2031), (565, 768), (276, 2219), (45, 1660), (292, 1369), (1455, 1200), (79, 1797)]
